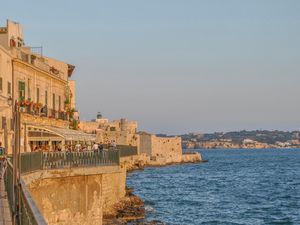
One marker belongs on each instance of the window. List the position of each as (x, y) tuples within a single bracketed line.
[(59, 103), (53, 101), (37, 95), (28, 89), (3, 124), (8, 88), (46, 97), (21, 90), (1, 87)]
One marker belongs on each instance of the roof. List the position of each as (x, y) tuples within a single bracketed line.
[(67, 134)]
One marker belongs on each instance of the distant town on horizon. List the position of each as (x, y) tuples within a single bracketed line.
[(255, 139)]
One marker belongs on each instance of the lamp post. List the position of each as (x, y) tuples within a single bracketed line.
[(16, 163), (9, 103)]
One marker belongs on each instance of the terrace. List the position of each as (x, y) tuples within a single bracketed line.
[(28, 212)]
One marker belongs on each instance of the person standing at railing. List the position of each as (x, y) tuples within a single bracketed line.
[(95, 147), (100, 147), (2, 150), (113, 145), (77, 147), (2, 160)]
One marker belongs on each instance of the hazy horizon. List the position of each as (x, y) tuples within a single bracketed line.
[(175, 66)]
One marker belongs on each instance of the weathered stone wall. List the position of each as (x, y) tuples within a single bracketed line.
[(120, 137), (5, 109), (89, 126), (166, 149), (77, 196), (145, 143)]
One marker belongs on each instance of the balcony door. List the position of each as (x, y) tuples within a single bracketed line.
[(21, 91)]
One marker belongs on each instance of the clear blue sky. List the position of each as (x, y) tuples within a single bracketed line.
[(175, 66)]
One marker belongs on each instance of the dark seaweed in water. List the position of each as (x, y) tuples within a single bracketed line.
[(245, 187)]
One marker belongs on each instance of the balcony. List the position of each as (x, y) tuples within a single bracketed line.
[(43, 111), (39, 114)]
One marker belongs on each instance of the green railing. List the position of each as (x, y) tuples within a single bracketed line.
[(56, 160), (28, 213), (9, 186), (34, 161), (127, 150), (31, 161)]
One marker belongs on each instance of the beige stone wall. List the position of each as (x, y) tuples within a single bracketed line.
[(13, 30), (78, 196), (145, 143), (5, 109), (120, 137), (59, 65), (89, 126), (115, 125), (162, 148), (169, 148), (73, 93), (34, 79)]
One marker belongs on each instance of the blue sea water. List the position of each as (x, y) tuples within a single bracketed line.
[(238, 187)]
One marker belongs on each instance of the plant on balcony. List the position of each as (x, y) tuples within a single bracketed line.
[(28, 102), (71, 111), (67, 104)]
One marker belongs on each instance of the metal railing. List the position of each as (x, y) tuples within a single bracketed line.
[(34, 161), (8, 180), (31, 161), (44, 111), (127, 150), (28, 211), (56, 160)]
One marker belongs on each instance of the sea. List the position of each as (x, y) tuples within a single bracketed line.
[(235, 187)]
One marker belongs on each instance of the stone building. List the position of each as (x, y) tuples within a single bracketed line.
[(166, 149), (122, 131), (43, 88), (5, 94)]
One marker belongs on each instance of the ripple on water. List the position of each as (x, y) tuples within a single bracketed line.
[(235, 187)]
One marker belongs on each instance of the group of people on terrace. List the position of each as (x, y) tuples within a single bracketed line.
[(99, 147), (77, 147)]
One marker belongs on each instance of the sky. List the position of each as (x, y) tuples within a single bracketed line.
[(175, 66)]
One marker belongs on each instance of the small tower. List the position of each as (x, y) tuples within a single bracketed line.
[(99, 116)]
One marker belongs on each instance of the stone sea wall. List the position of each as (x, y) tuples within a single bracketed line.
[(142, 160), (77, 196)]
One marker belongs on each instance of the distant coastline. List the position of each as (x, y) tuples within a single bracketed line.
[(258, 139)]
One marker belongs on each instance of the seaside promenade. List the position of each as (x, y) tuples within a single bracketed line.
[(5, 216)]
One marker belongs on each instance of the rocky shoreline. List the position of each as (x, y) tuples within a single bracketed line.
[(131, 209)]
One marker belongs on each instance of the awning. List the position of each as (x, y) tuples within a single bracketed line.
[(63, 133)]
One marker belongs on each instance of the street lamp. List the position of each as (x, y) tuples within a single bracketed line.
[(16, 162)]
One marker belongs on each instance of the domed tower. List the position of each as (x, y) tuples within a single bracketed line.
[(99, 116)]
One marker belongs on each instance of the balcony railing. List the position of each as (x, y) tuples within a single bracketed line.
[(44, 112)]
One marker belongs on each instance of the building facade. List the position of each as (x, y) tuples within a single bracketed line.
[(5, 93), (43, 89)]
